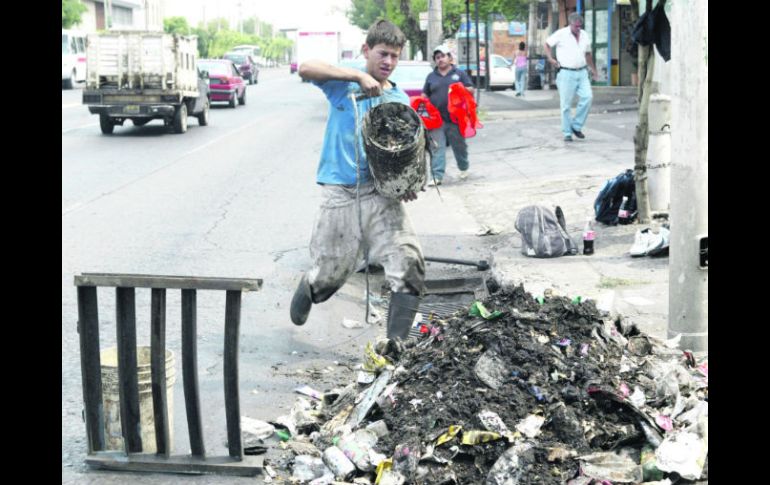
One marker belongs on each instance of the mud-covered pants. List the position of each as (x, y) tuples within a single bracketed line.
[(336, 245)]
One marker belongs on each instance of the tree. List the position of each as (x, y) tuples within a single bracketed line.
[(176, 25), (71, 13), (406, 13)]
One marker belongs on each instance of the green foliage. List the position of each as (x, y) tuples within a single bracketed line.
[(71, 13), (406, 14), (176, 25)]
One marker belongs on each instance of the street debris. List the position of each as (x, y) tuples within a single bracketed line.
[(514, 390)]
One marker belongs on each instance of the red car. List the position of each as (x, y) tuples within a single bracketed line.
[(225, 81)]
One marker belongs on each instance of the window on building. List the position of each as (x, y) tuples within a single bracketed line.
[(122, 17)]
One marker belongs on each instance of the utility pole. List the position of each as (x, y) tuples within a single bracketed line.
[(478, 54), (531, 47), (435, 29), (688, 279)]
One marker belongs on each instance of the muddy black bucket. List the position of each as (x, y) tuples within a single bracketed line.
[(394, 141)]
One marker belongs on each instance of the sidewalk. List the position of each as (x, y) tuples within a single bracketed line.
[(497, 105), (514, 164)]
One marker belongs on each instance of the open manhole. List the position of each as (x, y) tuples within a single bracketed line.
[(446, 296)]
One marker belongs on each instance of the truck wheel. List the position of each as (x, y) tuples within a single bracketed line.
[(234, 100), (203, 117), (106, 124), (68, 83), (242, 99), (180, 119)]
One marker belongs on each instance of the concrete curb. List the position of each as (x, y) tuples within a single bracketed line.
[(547, 113)]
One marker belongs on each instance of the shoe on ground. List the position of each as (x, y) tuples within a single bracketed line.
[(578, 133), (662, 248), (433, 183), (568, 138), (644, 242), (301, 302), (463, 174)]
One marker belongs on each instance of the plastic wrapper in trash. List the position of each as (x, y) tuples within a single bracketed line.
[(369, 398), (390, 477), (387, 397), (476, 437), (664, 422), (449, 435), (650, 469), (365, 377), (610, 466), (385, 466), (357, 447), (338, 463), (336, 426), (698, 413), (299, 447), (492, 422), (254, 431), (530, 426), (491, 370), (405, 458), (507, 469), (637, 398), (479, 310), (683, 452), (373, 361), (379, 428), (308, 468)]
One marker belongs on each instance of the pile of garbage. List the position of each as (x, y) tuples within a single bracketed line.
[(517, 390)]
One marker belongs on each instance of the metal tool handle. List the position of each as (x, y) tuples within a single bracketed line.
[(481, 265)]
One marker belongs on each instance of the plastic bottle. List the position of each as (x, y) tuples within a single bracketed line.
[(588, 238), (623, 212)]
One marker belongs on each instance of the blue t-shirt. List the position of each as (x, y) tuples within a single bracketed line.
[(437, 88), (338, 156)]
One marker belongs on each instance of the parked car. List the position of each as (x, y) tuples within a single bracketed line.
[(503, 73), (410, 76), (247, 66), (225, 82)]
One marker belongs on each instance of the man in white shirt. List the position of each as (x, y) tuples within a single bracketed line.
[(573, 56)]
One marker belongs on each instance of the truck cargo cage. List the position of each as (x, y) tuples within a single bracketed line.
[(132, 458)]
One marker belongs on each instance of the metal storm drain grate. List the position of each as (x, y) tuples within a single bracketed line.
[(444, 297)]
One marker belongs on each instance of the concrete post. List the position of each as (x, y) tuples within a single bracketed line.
[(435, 30), (688, 284)]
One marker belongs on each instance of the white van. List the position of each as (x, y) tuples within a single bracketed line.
[(73, 57), (253, 50)]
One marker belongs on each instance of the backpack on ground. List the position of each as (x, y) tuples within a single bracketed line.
[(543, 234), (608, 201)]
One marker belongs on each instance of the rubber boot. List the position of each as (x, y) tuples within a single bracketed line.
[(301, 302), (403, 307)]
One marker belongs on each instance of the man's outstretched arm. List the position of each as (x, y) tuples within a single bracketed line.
[(315, 70)]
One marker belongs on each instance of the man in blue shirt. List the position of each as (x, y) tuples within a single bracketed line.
[(437, 89), (338, 239)]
